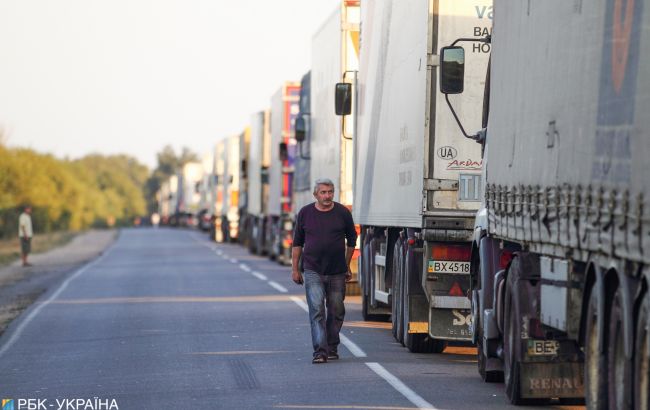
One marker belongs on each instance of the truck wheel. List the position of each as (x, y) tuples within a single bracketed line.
[(416, 342), (595, 363), (511, 343), (396, 307), (642, 357), (618, 375)]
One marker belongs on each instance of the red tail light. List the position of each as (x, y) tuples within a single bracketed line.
[(505, 258), (442, 252)]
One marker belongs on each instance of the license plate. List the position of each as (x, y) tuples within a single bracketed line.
[(448, 267), (543, 347)]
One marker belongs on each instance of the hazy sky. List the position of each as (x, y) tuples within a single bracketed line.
[(130, 76)]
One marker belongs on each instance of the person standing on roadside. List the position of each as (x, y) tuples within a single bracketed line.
[(325, 238), (25, 233)]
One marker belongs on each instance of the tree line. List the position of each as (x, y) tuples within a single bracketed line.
[(95, 191)]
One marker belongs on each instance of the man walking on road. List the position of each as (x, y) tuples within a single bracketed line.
[(325, 238), (25, 234)]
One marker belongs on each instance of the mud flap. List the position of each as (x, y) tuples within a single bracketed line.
[(555, 380), (450, 324)]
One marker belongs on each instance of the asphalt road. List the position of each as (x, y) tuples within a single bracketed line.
[(166, 319)]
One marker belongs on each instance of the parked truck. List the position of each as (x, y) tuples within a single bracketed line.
[(302, 183), (235, 153), (219, 171), (416, 185), (284, 108), (258, 181), (335, 58), (560, 265), (243, 229)]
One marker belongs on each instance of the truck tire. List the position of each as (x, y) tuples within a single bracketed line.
[(397, 317), (511, 351), (416, 342), (618, 375), (595, 363), (642, 357)]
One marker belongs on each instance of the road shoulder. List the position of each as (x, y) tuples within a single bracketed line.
[(20, 287)]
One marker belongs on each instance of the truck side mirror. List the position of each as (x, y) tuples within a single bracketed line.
[(244, 167), (452, 70), (284, 152), (343, 99), (300, 128)]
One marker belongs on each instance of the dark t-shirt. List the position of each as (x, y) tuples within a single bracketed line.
[(323, 235)]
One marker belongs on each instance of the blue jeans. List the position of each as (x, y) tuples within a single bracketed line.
[(325, 291)]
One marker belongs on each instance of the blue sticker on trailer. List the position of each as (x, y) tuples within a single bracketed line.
[(617, 92)]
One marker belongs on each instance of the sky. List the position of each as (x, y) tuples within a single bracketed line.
[(131, 76)]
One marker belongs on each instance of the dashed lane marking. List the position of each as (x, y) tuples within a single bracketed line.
[(349, 344), (397, 384), (259, 275), (278, 287)]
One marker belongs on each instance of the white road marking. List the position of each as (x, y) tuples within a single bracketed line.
[(245, 268), (349, 344), (233, 260), (397, 384), (278, 287), (300, 303), (259, 275), (19, 330), (352, 347)]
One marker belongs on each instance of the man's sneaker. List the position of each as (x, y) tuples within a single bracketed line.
[(333, 355), (319, 358)]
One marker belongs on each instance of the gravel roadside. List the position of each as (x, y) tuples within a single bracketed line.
[(20, 287)]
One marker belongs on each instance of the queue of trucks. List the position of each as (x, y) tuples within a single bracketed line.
[(496, 179)]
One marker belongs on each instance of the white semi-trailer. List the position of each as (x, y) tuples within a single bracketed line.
[(219, 171), (417, 184), (335, 58), (257, 166), (562, 245), (284, 109)]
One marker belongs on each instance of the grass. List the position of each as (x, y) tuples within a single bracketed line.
[(10, 248)]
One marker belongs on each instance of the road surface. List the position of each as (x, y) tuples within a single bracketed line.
[(166, 319)]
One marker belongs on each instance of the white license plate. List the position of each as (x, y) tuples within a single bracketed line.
[(543, 347), (448, 267)]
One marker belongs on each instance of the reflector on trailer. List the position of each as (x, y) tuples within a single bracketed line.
[(456, 290)]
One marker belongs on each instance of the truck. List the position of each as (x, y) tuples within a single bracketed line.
[(416, 184), (259, 161), (280, 217), (218, 233), (206, 192), (189, 180), (235, 152), (243, 229), (560, 261), (335, 58), (302, 189), (167, 200)]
